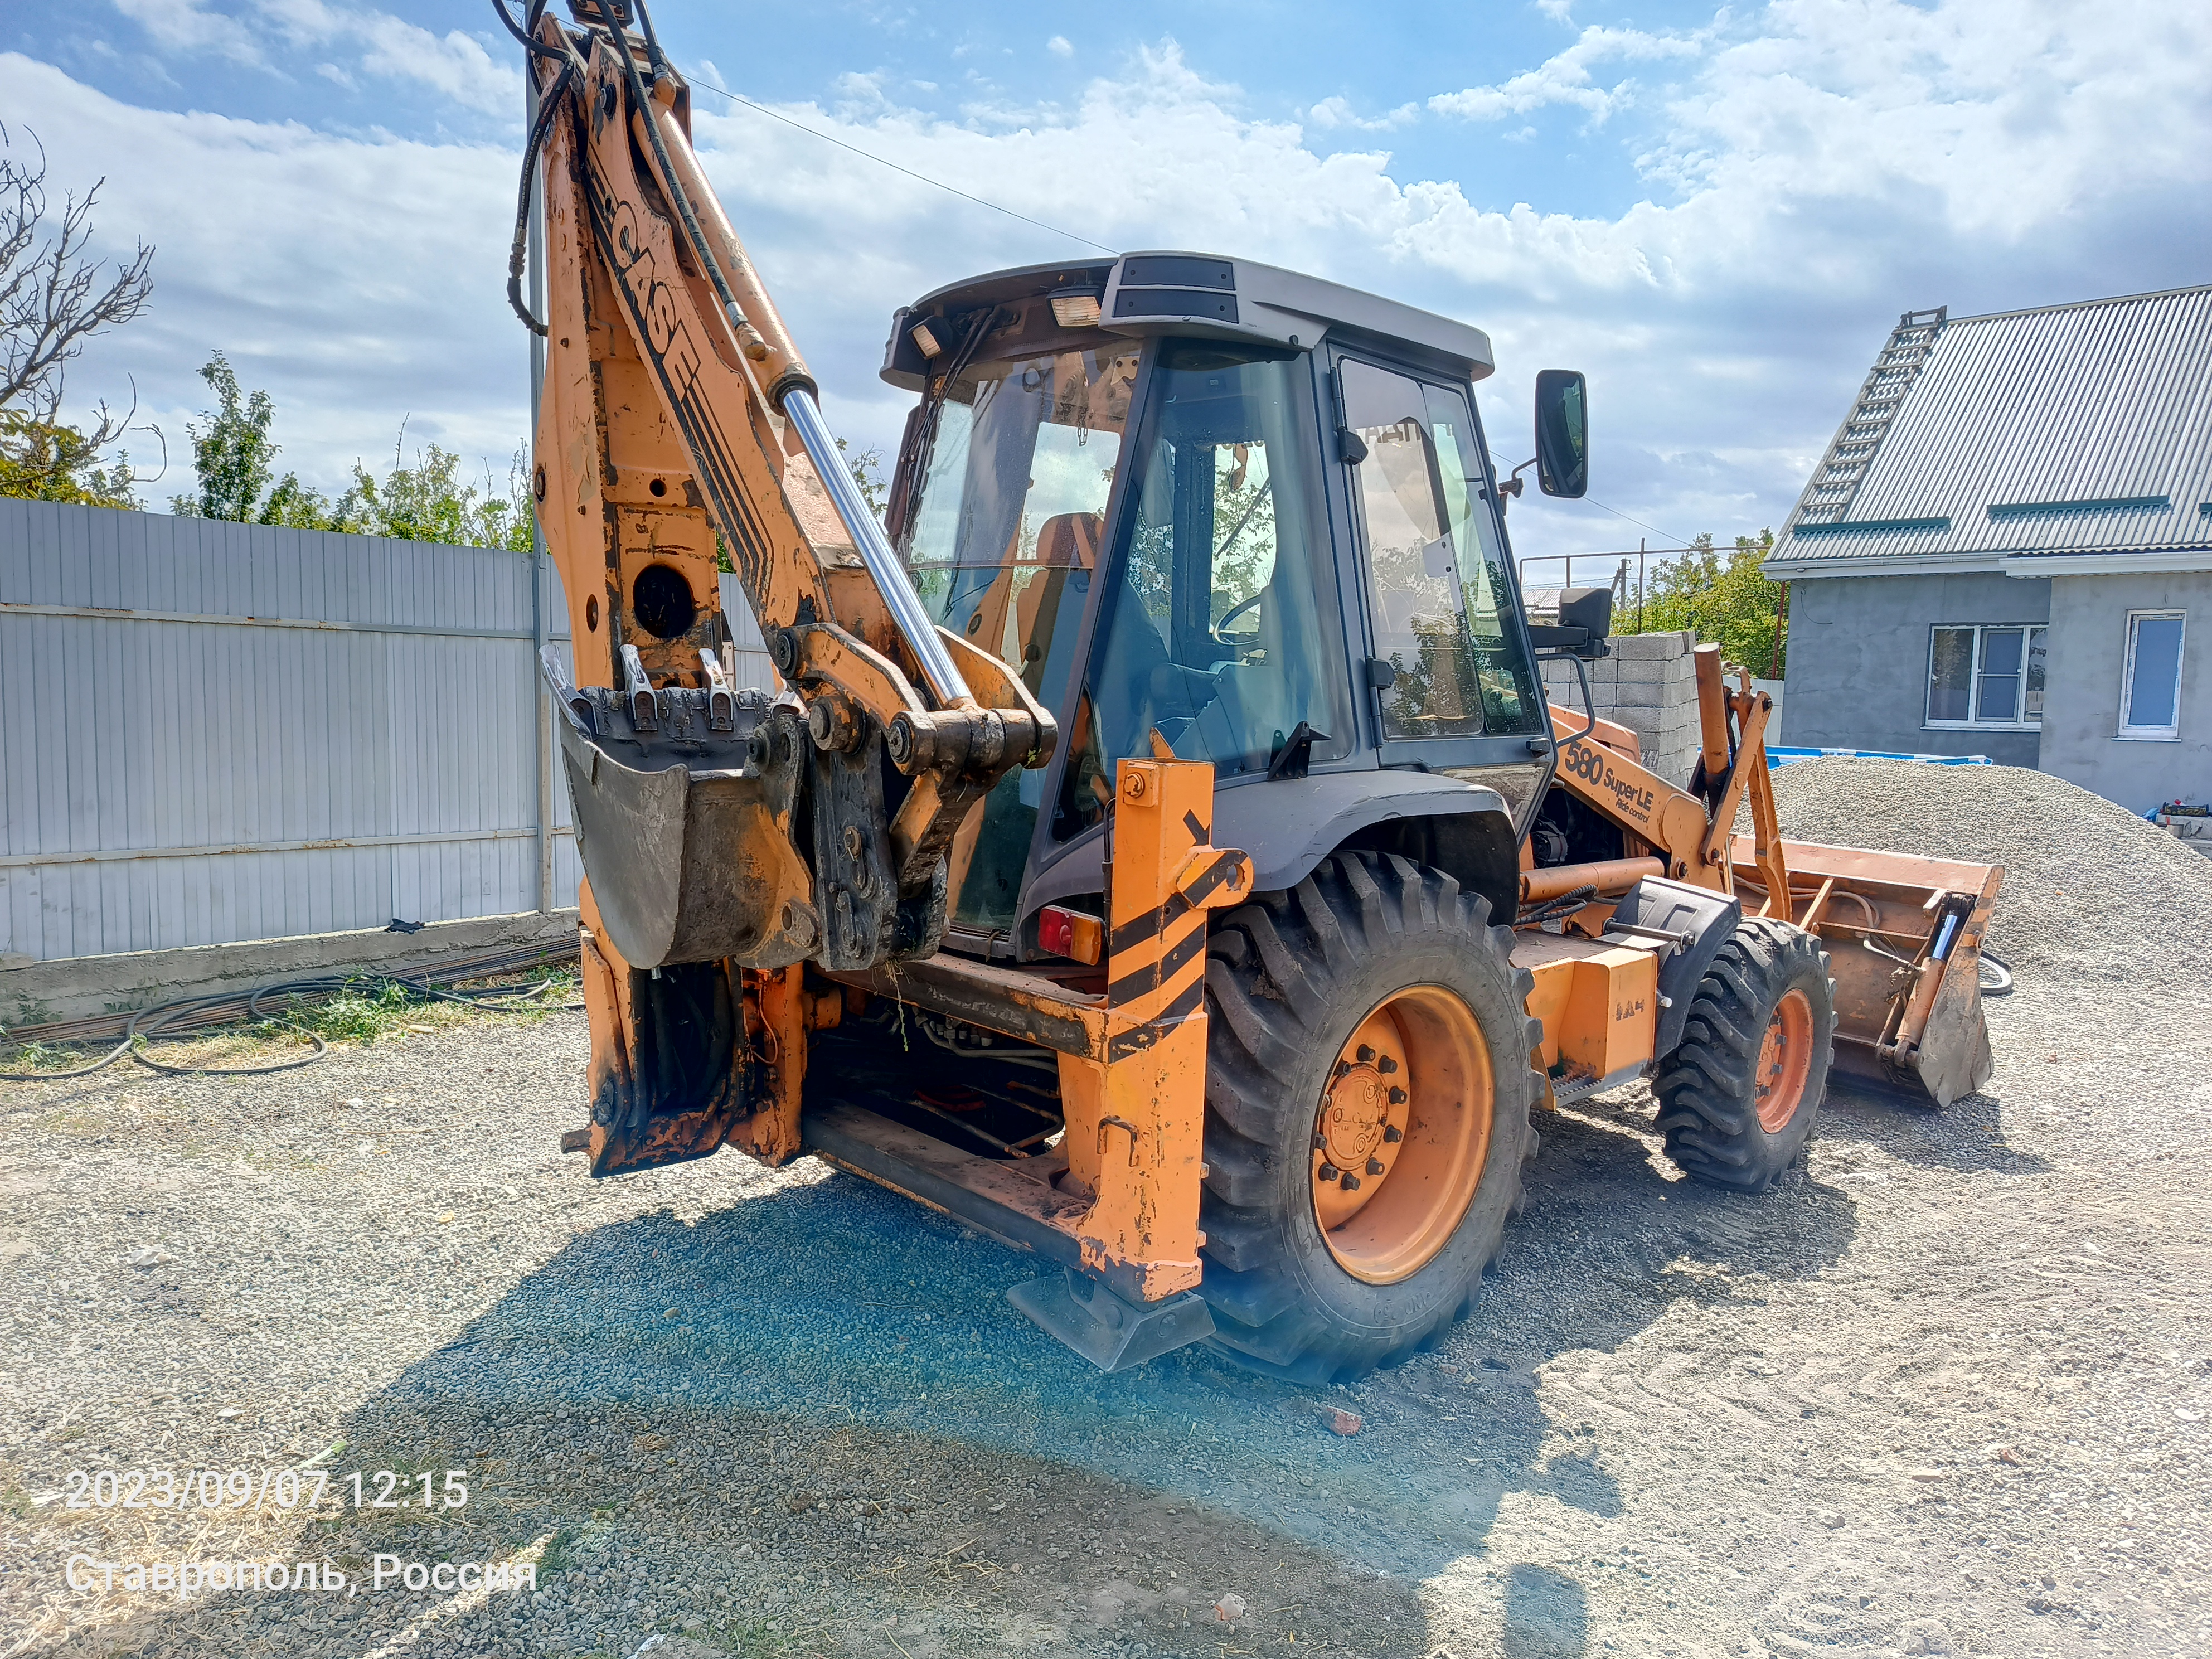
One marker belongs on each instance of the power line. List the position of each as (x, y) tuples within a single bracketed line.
[(1653, 528), (1617, 513), (774, 115), (738, 98)]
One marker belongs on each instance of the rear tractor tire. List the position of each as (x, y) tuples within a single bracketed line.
[(1369, 1077), (1739, 1097)]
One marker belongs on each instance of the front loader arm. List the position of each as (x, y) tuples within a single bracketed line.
[(678, 421), (1689, 831)]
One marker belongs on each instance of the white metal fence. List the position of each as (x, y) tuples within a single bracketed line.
[(212, 732)]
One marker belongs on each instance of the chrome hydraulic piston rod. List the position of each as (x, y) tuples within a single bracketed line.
[(945, 682)]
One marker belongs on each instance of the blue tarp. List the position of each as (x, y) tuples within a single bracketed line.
[(1783, 757)]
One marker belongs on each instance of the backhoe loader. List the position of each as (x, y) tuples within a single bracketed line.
[(1157, 850)]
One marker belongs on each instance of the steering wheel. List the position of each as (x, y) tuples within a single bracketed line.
[(1237, 611)]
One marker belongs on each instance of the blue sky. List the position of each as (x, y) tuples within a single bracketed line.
[(1717, 214)]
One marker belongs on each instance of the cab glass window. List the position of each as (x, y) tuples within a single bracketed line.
[(1439, 590), (1002, 542), (1211, 632)]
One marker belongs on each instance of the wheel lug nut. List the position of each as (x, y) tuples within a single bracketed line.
[(1374, 1166), (1397, 1097), (1328, 1173), (1343, 1069), (1386, 1064), (1350, 1183), (1393, 1133), (1366, 1054)]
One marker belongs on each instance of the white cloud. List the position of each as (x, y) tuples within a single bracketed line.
[(1059, 46), (182, 26), (1815, 168), (1823, 166), (1332, 114), (455, 65), (357, 280), (1565, 77)]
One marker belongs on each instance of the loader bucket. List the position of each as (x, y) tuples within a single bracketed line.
[(1904, 936)]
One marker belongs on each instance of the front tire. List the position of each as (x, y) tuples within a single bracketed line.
[(1369, 1077), (1739, 1097)]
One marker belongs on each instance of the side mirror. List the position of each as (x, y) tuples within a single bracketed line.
[(1582, 619), (1589, 609), (1562, 432)]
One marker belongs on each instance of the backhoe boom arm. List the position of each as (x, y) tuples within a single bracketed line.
[(678, 423)]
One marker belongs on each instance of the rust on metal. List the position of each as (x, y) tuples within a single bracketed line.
[(1614, 876)]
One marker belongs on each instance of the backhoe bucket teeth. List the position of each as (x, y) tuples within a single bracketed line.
[(1904, 937), (685, 831)]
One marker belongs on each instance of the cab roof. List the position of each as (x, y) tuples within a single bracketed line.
[(1207, 295)]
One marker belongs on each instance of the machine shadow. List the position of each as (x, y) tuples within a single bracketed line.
[(1547, 1615), (1967, 1136), (837, 1305), (833, 1343)]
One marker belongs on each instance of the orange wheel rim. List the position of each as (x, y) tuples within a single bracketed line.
[(1785, 1060), (1401, 1135)]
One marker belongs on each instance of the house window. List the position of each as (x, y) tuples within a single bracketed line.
[(2150, 684), (1986, 676)]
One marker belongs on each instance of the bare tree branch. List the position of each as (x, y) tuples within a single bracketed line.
[(53, 296)]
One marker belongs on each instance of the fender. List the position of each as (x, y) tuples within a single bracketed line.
[(1288, 825)]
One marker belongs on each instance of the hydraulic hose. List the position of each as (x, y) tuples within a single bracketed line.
[(150, 1022)]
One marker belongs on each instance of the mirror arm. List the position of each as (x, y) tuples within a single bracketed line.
[(1515, 484)]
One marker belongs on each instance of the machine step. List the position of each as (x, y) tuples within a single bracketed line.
[(1110, 1331)]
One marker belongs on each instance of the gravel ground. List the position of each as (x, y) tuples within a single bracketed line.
[(1943, 1393)]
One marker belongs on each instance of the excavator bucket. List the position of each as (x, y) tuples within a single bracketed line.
[(1904, 936)]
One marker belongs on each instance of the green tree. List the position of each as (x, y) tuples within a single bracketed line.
[(428, 502), (1725, 600), (867, 469), (48, 461), (235, 456), (233, 452)]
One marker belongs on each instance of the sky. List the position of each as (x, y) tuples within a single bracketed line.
[(1716, 214)]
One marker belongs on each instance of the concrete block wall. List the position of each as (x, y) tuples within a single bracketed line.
[(1648, 684)]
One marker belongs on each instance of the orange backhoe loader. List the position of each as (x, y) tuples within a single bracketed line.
[(1157, 850)]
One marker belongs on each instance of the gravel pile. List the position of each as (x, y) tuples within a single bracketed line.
[(2090, 888)]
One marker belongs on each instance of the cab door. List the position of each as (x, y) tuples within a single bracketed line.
[(1449, 675)]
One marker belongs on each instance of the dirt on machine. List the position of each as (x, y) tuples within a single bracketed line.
[(1157, 848)]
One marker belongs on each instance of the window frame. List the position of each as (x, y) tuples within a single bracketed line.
[(2126, 731), (2022, 720), (1437, 753)]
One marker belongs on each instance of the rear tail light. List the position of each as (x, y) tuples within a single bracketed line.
[(1071, 933)]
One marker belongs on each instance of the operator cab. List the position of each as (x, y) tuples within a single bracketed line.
[(1247, 510)]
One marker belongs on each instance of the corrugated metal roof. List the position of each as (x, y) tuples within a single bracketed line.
[(2075, 428)]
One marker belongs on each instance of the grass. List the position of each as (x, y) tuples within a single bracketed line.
[(364, 1012), (757, 1641), (557, 1557), (351, 1016), (42, 1057)]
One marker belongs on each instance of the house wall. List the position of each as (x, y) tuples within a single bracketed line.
[(2089, 652), (1857, 669)]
